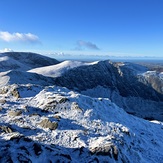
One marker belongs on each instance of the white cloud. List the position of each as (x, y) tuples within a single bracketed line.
[(84, 44), (26, 37), (6, 50)]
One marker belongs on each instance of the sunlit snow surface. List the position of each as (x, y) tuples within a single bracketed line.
[(87, 128), (59, 69), (41, 122)]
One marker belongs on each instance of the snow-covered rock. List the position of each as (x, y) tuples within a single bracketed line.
[(88, 129)]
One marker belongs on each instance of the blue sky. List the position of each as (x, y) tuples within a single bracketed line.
[(102, 27)]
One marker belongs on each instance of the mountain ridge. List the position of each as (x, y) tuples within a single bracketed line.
[(24, 61), (121, 83), (43, 121)]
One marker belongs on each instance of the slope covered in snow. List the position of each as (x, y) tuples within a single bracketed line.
[(154, 79), (123, 83), (55, 124), (43, 122), (21, 77), (23, 61), (59, 69)]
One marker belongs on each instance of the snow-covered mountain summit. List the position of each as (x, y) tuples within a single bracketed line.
[(59, 69)]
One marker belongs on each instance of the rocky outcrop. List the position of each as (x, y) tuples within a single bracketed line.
[(2, 101), (105, 150), (15, 93), (15, 113), (6, 129), (46, 123)]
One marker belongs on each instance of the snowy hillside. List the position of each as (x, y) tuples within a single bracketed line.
[(58, 69), (20, 77), (123, 83), (23, 61), (153, 79), (55, 124), (43, 121)]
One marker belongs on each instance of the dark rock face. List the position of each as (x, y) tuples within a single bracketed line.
[(37, 148), (109, 75), (123, 86)]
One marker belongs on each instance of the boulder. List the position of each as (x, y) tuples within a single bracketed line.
[(46, 123), (106, 150), (2, 101), (6, 129), (15, 93), (15, 113)]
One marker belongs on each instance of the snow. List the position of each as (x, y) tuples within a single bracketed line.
[(5, 58), (148, 73), (23, 61), (85, 122), (4, 79), (136, 68), (88, 129), (20, 77), (58, 69)]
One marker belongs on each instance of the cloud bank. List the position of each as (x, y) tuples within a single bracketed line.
[(25, 37), (6, 50), (88, 45)]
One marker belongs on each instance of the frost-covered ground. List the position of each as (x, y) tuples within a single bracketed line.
[(50, 124), (43, 123)]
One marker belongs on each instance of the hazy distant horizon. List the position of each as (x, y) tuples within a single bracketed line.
[(92, 57), (106, 57)]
